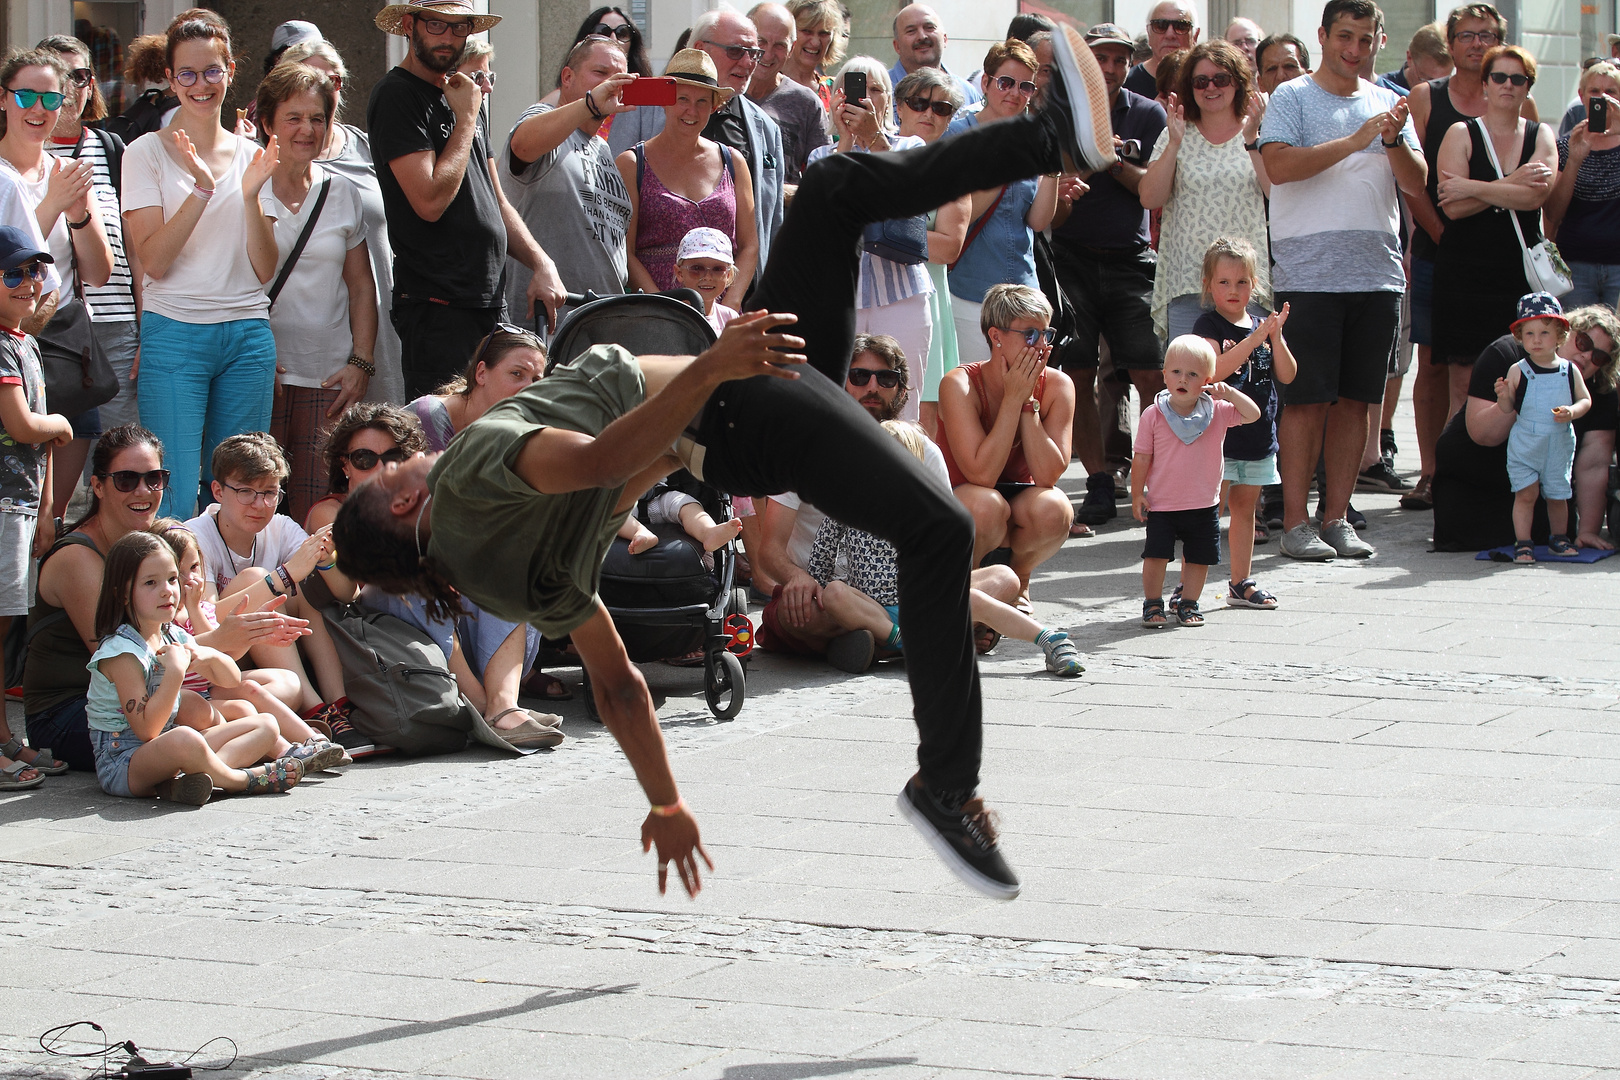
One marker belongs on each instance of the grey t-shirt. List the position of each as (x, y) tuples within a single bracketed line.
[(574, 202), (798, 112)]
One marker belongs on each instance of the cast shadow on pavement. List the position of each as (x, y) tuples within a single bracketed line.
[(802, 1070)]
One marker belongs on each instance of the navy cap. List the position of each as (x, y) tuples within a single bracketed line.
[(17, 248), (1539, 305)]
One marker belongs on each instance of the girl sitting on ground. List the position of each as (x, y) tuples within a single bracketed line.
[(136, 698)]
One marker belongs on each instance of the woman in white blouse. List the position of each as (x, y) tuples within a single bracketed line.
[(1207, 176), (324, 316)]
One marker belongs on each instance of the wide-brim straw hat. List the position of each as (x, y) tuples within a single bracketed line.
[(389, 19), (694, 67)]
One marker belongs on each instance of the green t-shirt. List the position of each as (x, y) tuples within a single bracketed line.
[(517, 553)]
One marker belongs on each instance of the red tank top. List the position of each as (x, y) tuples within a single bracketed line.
[(1016, 471)]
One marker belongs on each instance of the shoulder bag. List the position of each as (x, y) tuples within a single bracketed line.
[(1544, 268), (78, 376), (978, 226), (298, 246), (900, 240)]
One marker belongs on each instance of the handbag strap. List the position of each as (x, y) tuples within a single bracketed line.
[(1490, 149), (303, 239), (978, 227)]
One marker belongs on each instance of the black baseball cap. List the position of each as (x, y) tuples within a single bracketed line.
[(17, 248)]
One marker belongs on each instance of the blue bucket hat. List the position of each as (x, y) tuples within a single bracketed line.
[(1538, 305), (18, 248)]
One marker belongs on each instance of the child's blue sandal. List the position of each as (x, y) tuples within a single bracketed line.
[(1062, 658), (1187, 613), (1558, 545), (1153, 612), (1247, 594), (1524, 552)]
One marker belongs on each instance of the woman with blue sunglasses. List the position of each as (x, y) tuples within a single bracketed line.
[(208, 358)]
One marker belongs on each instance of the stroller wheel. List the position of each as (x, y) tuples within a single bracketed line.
[(724, 685)]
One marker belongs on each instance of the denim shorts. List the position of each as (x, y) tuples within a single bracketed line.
[(113, 751), (1252, 473)]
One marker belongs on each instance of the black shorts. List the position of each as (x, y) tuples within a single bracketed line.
[(1112, 294), (1198, 530), (1342, 342)]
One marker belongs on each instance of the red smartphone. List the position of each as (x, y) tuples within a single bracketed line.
[(649, 90)]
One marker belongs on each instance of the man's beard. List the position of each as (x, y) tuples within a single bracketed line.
[(425, 57), (885, 410)]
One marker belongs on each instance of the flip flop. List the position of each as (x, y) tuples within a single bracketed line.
[(540, 684), (538, 731)]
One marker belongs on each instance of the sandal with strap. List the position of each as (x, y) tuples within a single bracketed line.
[(1247, 594), (1558, 545), (1153, 612), (274, 778), (1524, 552), (317, 755), (1062, 658), (985, 639), (1187, 613), (11, 777), (44, 763)]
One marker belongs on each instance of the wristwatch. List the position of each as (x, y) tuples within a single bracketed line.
[(1252, 146)]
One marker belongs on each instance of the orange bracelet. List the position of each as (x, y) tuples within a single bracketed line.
[(671, 810)]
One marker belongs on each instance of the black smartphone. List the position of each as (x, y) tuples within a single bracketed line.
[(854, 86), (1597, 115)]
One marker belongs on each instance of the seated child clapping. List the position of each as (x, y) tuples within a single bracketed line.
[(1176, 474), (1545, 394), (705, 264)]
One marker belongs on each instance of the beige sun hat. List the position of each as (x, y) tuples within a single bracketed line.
[(388, 19), (694, 67)]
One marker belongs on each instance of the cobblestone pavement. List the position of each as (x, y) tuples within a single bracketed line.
[(1370, 834)]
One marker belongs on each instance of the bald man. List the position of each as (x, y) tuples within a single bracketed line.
[(919, 42), (795, 108), (1246, 35)]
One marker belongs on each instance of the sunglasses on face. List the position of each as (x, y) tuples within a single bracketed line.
[(247, 496), (485, 79), (737, 52), (1164, 26), (1484, 37), (1034, 337), (366, 460), (34, 271), (81, 76), (938, 108), (213, 76), (623, 32), (50, 99), (127, 480), (1203, 82), (886, 379), (1007, 82), (1585, 344), (437, 27), (1502, 77)]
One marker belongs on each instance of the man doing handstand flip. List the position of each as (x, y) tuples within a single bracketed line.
[(519, 512)]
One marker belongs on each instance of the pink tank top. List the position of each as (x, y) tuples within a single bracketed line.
[(664, 217)]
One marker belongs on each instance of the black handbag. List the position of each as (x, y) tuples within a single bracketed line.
[(900, 240), (78, 376)]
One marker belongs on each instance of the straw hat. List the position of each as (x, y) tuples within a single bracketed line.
[(389, 18), (695, 68)]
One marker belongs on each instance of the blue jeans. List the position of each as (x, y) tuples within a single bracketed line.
[(1595, 283), (201, 384)]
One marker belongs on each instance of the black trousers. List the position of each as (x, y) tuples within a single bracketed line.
[(436, 341), (765, 436)]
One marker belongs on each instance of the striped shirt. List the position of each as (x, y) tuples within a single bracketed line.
[(114, 301), (883, 281)]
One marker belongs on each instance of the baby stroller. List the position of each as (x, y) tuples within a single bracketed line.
[(665, 602)]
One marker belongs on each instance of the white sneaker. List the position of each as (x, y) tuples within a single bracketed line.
[(1301, 542), (1339, 534)]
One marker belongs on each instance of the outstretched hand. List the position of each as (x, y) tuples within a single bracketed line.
[(676, 838), (747, 347)]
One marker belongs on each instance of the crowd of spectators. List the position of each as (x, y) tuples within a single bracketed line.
[(291, 304)]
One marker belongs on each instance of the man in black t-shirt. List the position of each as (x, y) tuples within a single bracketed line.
[(448, 221)]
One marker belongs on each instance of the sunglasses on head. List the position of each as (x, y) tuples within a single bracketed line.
[(1501, 77), (437, 27), (127, 480), (81, 76), (623, 32), (886, 379), (50, 99), (366, 460), (212, 75), (1220, 81), (34, 271), (938, 108), (504, 328), (1164, 26), (1007, 82)]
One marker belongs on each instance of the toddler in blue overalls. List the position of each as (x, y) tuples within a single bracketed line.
[(1545, 394)]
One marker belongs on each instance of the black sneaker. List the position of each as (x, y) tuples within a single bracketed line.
[(965, 839), (1379, 477), (1077, 101), (1098, 506), (852, 652), (356, 744)]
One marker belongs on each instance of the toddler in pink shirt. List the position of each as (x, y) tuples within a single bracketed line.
[(1176, 475)]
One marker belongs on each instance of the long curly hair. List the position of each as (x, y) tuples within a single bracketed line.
[(398, 424), (377, 548)]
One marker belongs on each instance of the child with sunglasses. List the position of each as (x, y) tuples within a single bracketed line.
[(25, 452)]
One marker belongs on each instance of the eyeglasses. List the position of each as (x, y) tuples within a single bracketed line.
[(81, 76), (34, 271), (213, 76), (247, 496), (1220, 81), (127, 480), (50, 99), (1007, 82), (436, 27), (938, 108), (886, 379), (1164, 26), (1484, 37), (623, 32), (737, 52), (483, 78), (1031, 337), (1501, 78), (366, 460)]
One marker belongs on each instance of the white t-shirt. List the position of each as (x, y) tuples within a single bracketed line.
[(17, 209), (810, 519), (211, 280), (311, 318), (272, 547)]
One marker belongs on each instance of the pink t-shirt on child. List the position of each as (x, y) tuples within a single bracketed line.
[(1184, 476)]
